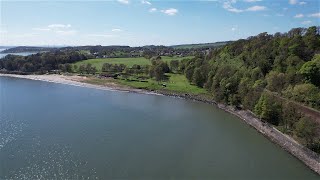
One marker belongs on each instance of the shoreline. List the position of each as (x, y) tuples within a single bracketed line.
[(75, 81), (308, 157)]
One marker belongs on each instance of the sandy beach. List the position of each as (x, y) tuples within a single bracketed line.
[(78, 81)]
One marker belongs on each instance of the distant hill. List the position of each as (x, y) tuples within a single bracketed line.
[(21, 49), (5, 47), (202, 45)]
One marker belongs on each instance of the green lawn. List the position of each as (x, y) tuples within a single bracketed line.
[(176, 83), (127, 61)]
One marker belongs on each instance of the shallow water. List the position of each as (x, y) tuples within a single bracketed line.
[(56, 131)]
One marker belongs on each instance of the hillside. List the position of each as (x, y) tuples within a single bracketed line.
[(243, 73), (201, 45), (20, 49)]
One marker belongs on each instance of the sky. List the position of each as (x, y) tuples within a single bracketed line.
[(148, 22)]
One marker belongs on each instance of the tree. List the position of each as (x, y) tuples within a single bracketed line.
[(93, 70), (75, 68), (106, 67), (198, 78), (276, 81), (82, 69), (268, 109), (189, 72), (174, 65), (68, 67), (306, 129), (158, 73), (306, 93), (311, 71), (290, 115), (88, 68)]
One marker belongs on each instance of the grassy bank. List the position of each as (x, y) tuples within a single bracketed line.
[(126, 61), (176, 83)]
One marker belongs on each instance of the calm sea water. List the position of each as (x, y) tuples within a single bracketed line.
[(20, 54), (55, 131)]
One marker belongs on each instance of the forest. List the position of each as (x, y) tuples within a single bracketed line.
[(257, 73)]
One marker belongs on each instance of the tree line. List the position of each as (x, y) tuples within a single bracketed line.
[(248, 73), (41, 62)]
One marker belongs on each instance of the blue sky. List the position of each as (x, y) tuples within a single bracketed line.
[(145, 22)]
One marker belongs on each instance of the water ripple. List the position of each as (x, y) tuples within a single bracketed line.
[(53, 162), (9, 129)]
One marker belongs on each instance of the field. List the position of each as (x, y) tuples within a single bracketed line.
[(176, 83), (127, 61)]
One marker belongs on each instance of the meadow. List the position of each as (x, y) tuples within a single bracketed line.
[(175, 83), (126, 61)]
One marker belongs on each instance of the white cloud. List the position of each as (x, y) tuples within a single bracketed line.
[(146, 2), (252, 1), (280, 15), (116, 30), (256, 8), (234, 28), (60, 29), (170, 12), (153, 10), (306, 22), (299, 16), (59, 26), (293, 2), (124, 1), (228, 5), (316, 15)]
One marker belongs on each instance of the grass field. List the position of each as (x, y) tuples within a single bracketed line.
[(127, 61), (176, 83)]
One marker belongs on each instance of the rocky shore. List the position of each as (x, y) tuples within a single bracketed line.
[(308, 157)]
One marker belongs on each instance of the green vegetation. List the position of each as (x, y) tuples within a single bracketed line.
[(129, 62), (176, 83), (20, 49), (265, 72), (202, 45), (275, 76), (41, 63), (141, 73)]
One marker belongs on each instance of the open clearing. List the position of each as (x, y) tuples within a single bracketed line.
[(126, 61)]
